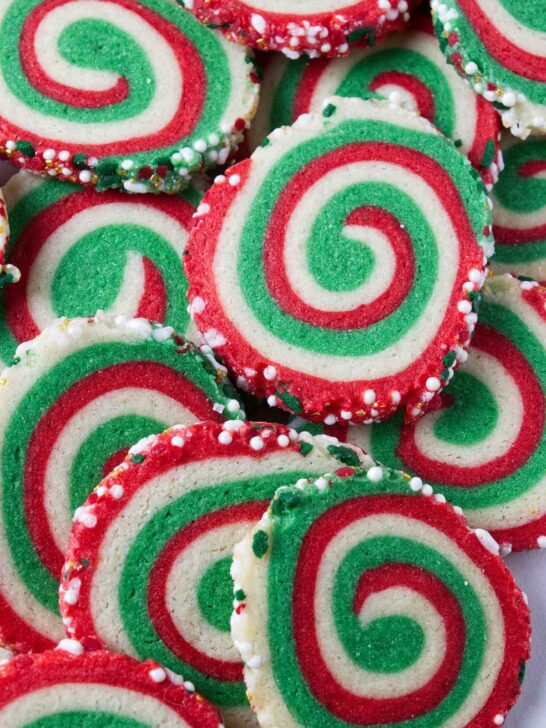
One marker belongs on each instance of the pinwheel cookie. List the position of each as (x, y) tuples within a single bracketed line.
[(67, 687), (148, 567), (484, 447), (75, 399), (79, 252), (119, 93), (371, 317), (362, 599)]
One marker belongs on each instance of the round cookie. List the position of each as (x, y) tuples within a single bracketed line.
[(8, 273), (369, 602), (408, 64), (76, 398), (147, 572), (79, 252), (68, 687), (499, 46), (519, 211), (119, 93), (311, 27), (484, 447), (358, 323)]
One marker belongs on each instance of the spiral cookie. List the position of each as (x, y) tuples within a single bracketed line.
[(519, 211), (80, 395), (485, 446), (408, 64), (119, 93), (499, 46), (311, 27), (358, 323), (366, 602), (147, 573), (8, 273), (66, 687), (80, 252)]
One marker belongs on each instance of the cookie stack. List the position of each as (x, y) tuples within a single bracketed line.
[(273, 406)]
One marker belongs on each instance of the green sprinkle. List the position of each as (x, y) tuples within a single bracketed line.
[(313, 428), (522, 672), (458, 143), (260, 543), (345, 454), (329, 110), (449, 359), (284, 501), (107, 182), (265, 142), (367, 32), (305, 448), (80, 161), (489, 154), (107, 167), (290, 401), (240, 596), (138, 459), (475, 298), (444, 375), (14, 361), (163, 162), (85, 562), (525, 278), (25, 148)]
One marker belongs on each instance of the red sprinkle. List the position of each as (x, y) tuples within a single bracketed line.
[(145, 172), (345, 472)]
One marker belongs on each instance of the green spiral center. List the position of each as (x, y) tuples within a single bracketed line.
[(215, 594)]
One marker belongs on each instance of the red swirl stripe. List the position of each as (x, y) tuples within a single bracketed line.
[(140, 374), (503, 350), (509, 55), (158, 610), (182, 124), (422, 95), (366, 711), (275, 266), (35, 234)]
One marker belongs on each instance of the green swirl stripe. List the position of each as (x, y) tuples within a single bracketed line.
[(370, 554), (473, 417), (521, 195), (86, 719), (284, 98), (104, 251), (38, 400), (382, 334), (526, 13), (120, 55), (143, 555), (120, 433), (533, 90), (413, 63)]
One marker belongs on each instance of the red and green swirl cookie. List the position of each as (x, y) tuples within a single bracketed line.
[(67, 687), (75, 399), (519, 211), (357, 323), (118, 93), (499, 46), (362, 601), (147, 572), (484, 447), (311, 27), (79, 252), (408, 64), (8, 273)]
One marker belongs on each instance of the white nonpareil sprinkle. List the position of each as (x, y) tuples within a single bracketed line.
[(177, 441), (256, 443), (72, 646), (158, 674), (375, 474), (225, 438), (487, 541)]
